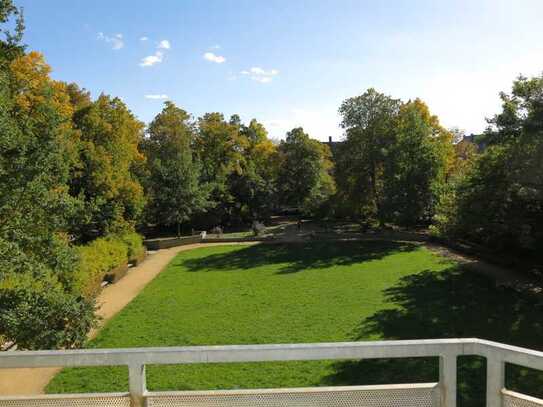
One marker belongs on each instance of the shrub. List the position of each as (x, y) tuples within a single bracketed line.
[(98, 258), (134, 243), (44, 316), (36, 310)]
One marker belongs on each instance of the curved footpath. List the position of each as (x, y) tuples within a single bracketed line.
[(111, 300)]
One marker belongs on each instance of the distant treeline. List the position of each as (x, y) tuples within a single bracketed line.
[(78, 177)]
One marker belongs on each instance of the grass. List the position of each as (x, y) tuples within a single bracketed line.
[(315, 292)]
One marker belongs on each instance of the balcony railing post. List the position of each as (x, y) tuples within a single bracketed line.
[(447, 379), (495, 381), (137, 384)]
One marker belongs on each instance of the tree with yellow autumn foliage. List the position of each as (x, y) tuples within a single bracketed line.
[(105, 180)]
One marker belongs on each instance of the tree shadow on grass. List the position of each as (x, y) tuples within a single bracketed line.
[(449, 304), (296, 257)]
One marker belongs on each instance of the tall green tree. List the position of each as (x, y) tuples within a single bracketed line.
[(394, 161), (40, 306), (305, 167), (499, 203), (173, 187), (10, 35), (219, 146), (368, 121), (254, 186), (416, 167)]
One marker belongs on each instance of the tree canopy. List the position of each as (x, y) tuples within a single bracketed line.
[(305, 178), (104, 179), (173, 186), (499, 201), (40, 305), (393, 160)]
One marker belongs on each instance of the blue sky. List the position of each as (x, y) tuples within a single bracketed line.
[(291, 63)]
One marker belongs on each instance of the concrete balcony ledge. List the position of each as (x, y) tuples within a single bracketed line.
[(442, 393)]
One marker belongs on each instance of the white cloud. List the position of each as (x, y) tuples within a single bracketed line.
[(158, 56), (218, 59), (157, 96), (144, 38), (151, 60), (164, 44), (216, 46), (116, 41), (258, 74)]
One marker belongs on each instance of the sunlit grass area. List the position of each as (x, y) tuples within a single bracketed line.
[(314, 292)]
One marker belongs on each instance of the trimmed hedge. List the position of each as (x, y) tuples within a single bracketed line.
[(101, 256), (134, 243), (96, 259)]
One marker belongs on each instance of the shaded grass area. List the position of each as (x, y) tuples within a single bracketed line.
[(313, 292), (451, 304)]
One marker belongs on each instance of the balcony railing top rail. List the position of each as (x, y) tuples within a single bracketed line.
[(442, 394)]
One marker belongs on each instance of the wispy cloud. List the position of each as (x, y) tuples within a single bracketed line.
[(164, 44), (144, 38), (158, 56), (216, 46), (116, 41), (260, 75), (151, 60), (156, 96), (210, 56)]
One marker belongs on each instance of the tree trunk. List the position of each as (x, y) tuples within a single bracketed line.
[(373, 183)]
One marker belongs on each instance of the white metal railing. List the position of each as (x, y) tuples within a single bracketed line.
[(443, 393)]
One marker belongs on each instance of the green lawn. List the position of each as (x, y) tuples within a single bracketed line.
[(314, 292)]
